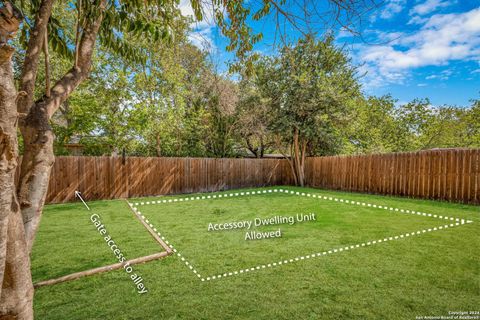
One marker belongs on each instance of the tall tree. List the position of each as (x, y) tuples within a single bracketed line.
[(309, 87), (253, 119), (221, 97), (159, 101), (373, 127), (111, 23), (22, 203), (16, 290), (381, 126), (473, 124)]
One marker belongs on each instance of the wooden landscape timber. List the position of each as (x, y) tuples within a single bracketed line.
[(111, 267), (115, 266)]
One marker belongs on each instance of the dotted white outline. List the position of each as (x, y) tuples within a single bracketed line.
[(458, 222), (175, 251), (335, 250), (302, 194)]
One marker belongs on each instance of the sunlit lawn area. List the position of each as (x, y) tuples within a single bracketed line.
[(68, 242), (429, 273)]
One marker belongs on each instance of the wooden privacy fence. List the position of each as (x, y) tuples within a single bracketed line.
[(115, 177), (448, 174), (452, 175)]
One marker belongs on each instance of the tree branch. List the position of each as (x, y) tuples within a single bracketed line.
[(37, 133), (81, 68), (32, 56), (47, 65), (77, 31)]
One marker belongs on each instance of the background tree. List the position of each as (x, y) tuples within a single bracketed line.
[(221, 97), (73, 30), (253, 119), (308, 87), (373, 127), (159, 103), (472, 118), (22, 203), (381, 126)]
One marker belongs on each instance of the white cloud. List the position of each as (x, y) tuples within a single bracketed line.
[(342, 34), (390, 37), (392, 7), (422, 85), (207, 16), (202, 39), (429, 6), (375, 78), (441, 39), (202, 33), (443, 75), (417, 20)]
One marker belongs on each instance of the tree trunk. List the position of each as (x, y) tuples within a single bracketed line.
[(298, 151), (38, 135), (19, 219), (262, 147), (303, 146), (251, 147), (158, 145), (298, 159), (290, 160), (8, 148), (16, 300), (16, 291), (35, 170)]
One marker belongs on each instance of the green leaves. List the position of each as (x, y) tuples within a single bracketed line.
[(123, 48), (197, 9), (58, 40), (152, 20), (308, 88), (263, 11)]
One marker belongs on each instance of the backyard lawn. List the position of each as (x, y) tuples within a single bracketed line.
[(354, 256)]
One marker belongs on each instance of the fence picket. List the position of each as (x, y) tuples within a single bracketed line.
[(452, 175)]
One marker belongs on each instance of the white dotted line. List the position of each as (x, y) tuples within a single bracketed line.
[(457, 222), (364, 204), (213, 196), (175, 251), (331, 251), (297, 193)]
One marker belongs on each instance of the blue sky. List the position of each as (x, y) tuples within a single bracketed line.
[(408, 48)]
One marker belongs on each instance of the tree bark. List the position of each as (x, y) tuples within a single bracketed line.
[(251, 147), (16, 291), (16, 300), (262, 147), (20, 219), (32, 56), (290, 159), (35, 170), (38, 135), (303, 148), (35, 193), (8, 148), (298, 158)]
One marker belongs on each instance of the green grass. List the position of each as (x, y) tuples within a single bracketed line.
[(429, 274), (68, 242)]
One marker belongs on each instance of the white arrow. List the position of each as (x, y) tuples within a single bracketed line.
[(79, 195)]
